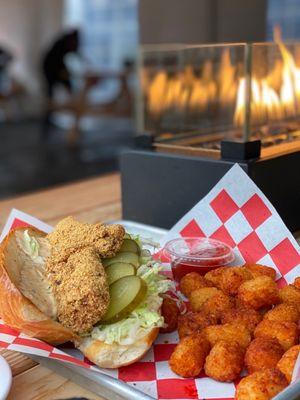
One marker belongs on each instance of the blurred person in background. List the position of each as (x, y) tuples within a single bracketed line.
[(6, 58), (11, 89), (56, 71)]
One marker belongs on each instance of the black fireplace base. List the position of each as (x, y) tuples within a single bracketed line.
[(159, 188)]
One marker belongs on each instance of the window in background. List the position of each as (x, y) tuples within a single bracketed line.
[(109, 30), (286, 14)]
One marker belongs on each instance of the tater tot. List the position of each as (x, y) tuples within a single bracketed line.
[(297, 283), (170, 312), (263, 353), (188, 357), (283, 312), (232, 278), (241, 315), (260, 270), (285, 332), (199, 296), (229, 332), (191, 282), (290, 294), (287, 363), (218, 304), (225, 361), (262, 385), (258, 292), (194, 322), (215, 276)]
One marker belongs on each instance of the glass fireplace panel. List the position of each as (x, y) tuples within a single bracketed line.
[(190, 89), (196, 96)]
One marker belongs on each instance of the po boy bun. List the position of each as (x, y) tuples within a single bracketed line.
[(16, 310), (116, 355)]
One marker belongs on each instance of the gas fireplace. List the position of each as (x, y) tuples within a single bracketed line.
[(194, 97)]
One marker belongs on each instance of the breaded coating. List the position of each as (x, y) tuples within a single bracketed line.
[(261, 270), (225, 361), (188, 357), (170, 312), (218, 304), (290, 294), (80, 288), (287, 363), (283, 312), (107, 239), (258, 292), (232, 278), (286, 333), (263, 353), (199, 296), (215, 276), (262, 385), (191, 282), (241, 315), (194, 322), (297, 283), (229, 332)]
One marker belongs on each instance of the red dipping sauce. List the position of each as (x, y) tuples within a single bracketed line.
[(196, 255)]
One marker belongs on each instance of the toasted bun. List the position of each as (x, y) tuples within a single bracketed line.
[(116, 355), (15, 309)]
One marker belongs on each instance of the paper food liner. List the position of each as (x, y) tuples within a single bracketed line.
[(236, 212)]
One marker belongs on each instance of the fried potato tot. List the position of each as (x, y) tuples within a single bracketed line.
[(297, 283), (263, 353), (283, 312), (262, 385), (229, 332), (194, 322), (241, 315), (290, 294), (258, 292), (232, 278), (225, 361), (191, 282), (170, 312), (287, 363), (215, 276), (286, 333), (257, 270), (218, 304), (188, 357), (199, 296)]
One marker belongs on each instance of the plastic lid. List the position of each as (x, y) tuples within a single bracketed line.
[(199, 251)]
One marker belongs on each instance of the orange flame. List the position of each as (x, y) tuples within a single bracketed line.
[(276, 96)]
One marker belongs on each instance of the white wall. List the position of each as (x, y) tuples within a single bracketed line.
[(25, 28)]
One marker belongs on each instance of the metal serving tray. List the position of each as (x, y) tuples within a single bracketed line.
[(98, 383), (114, 389)]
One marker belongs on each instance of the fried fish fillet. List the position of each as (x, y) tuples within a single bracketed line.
[(75, 271), (80, 288), (106, 239)]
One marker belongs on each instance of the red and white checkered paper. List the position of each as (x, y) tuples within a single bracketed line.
[(236, 212)]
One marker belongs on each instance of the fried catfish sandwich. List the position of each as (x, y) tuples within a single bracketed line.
[(92, 284)]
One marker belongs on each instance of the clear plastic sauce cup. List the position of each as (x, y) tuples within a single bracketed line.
[(196, 255)]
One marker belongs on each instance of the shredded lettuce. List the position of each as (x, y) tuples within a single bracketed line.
[(145, 317), (145, 255), (31, 246)]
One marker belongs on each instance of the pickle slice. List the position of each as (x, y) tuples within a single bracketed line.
[(127, 236), (126, 257), (125, 295), (130, 246), (118, 270)]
